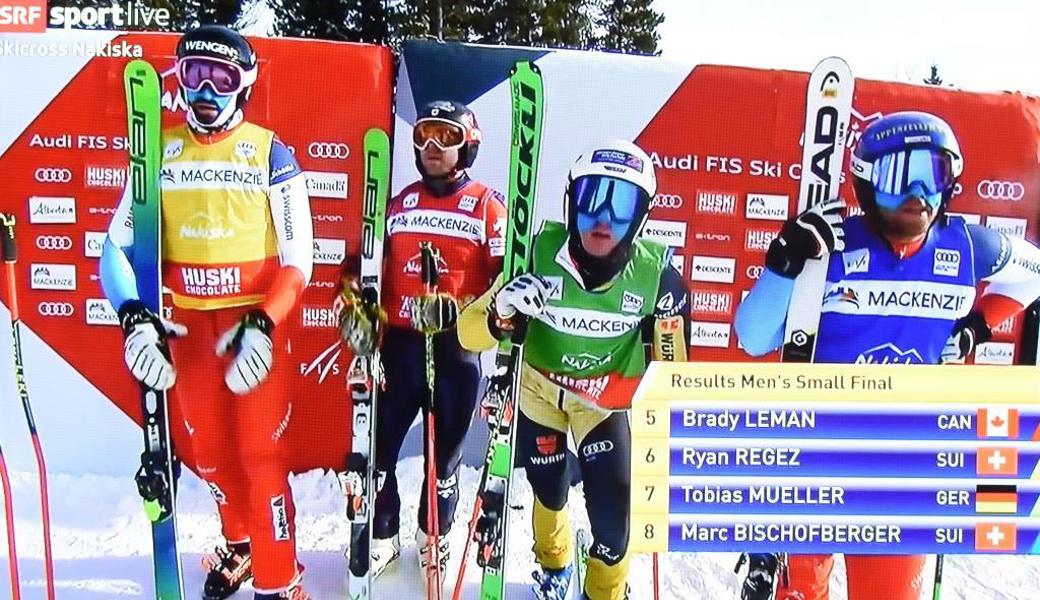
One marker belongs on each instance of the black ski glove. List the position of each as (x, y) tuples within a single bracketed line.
[(968, 333), (811, 234)]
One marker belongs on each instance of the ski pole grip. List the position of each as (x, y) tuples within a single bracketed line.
[(8, 249)]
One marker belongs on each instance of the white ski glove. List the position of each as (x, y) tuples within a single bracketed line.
[(250, 341), (144, 345), (524, 293)]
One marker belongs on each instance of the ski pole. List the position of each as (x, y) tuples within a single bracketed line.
[(9, 250), (12, 550), (937, 590), (657, 581), (433, 567)]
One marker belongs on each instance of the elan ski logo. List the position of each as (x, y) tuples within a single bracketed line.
[(280, 519)]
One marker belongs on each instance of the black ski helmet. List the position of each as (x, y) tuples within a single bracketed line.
[(221, 43), (459, 114)]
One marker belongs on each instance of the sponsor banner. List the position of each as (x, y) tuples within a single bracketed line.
[(51, 209), (326, 185), (588, 323), (228, 176), (994, 189), (921, 299), (53, 175), (770, 207), (753, 272), (708, 236), (100, 312), (995, 353), (328, 150), (329, 252), (1008, 226), (716, 304), (55, 309), (53, 242), (670, 233), (667, 201), (49, 276), (713, 269), (437, 222), (104, 177), (709, 335), (758, 240), (716, 203), (93, 243), (319, 316)]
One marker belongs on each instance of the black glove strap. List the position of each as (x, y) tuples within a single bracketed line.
[(134, 312)]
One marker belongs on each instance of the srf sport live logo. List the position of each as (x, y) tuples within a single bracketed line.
[(33, 16)]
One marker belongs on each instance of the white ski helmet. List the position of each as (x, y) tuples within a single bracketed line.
[(591, 176)]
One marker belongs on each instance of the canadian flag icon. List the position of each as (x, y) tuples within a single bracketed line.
[(997, 422)]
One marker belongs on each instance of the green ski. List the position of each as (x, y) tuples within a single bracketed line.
[(156, 478)]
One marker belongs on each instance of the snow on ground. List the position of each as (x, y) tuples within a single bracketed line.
[(102, 545)]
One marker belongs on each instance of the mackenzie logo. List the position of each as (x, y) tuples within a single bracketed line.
[(53, 277), (100, 312), (769, 207)]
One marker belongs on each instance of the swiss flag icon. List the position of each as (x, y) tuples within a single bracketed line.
[(997, 461), (997, 422)]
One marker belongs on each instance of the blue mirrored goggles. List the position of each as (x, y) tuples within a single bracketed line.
[(926, 173), (595, 195)]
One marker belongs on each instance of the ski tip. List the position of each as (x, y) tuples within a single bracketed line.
[(138, 68)]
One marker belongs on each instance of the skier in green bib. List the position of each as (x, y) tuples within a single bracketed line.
[(599, 303)]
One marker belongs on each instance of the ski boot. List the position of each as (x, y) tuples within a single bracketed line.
[(293, 592), (423, 545), (553, 584), (226, 570), (384, 554), (764, 570)]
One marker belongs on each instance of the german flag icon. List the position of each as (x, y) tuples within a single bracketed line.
[(996, 499)]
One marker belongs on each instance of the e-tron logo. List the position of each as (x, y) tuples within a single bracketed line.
[(667, 201), (333, 150), (53, 242), (55, 309), (53, 175), (1001, 190)]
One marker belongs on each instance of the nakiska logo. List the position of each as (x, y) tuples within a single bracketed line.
[(716, 203), (329, 252), (889, 354), (23, 16), (126, 15), (213, 48), (713, 303), (53, 277), (44, 209), (585, 360), (767, 207), (202, 226)]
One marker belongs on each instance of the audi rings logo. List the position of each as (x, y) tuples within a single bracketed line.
[(1000, 190), (53, 242), (667, 201), (332, 150), (754, 271), (55, 309), (53, 175)]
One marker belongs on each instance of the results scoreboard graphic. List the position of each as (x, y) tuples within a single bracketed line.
[(863, 459)]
